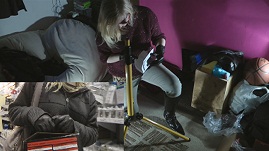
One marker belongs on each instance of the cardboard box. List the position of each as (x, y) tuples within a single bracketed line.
[(211, 93)]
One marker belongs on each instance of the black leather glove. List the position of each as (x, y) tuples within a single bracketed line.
[(44, 124), (63, 123), (160, 52), (158, 55)]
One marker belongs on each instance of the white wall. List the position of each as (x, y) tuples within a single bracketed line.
[(36, 9)]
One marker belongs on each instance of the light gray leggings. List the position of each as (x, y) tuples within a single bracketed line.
[(159, 76)]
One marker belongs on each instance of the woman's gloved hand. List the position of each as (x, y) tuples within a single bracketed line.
[(44, 124), (158, 54), (63, 123), (132, 57)]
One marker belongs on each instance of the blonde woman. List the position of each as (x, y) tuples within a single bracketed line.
[(63, 107), (118, 20)]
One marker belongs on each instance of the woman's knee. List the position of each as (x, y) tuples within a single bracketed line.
[(175, 89)]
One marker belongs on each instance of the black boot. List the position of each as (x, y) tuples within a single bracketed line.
[(173, 123), (169, 115)]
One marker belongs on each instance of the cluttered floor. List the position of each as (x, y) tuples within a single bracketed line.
[(202, 138), (190, 119)]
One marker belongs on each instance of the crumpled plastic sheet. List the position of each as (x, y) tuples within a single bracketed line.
[(238, 147), (224, 124)]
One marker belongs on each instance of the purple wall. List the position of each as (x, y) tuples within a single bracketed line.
[(213, 24)]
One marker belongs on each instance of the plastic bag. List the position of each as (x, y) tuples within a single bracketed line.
[(238, 147), (224, 124), (14, 140), (244, 98), (228, 60)]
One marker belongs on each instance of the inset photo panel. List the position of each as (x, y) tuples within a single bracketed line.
[(82, 116)]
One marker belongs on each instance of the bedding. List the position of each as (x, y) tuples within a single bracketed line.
[(29, 42), (67, 39)]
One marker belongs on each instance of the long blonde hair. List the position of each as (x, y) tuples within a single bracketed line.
[(110, 13), (66, 86)]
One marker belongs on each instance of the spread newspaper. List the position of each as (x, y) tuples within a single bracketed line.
[(144, 136)]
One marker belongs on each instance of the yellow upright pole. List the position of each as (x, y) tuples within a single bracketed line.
[(130, 101), (129, 87), (128, 75)]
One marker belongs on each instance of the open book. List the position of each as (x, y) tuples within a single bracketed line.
[(142, 63)]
